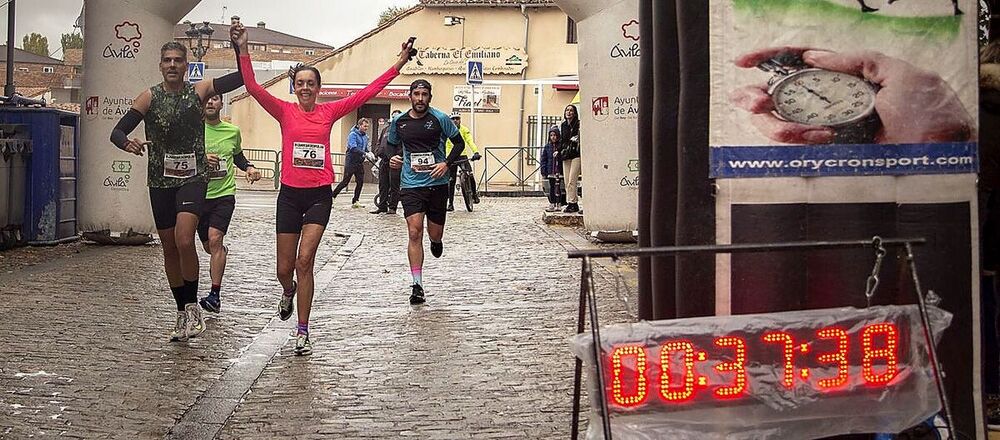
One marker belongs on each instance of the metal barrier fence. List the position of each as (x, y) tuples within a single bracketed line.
[(268, 162), (516, 162), (547, 122)]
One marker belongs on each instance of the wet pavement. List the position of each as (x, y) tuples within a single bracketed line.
[(83, 351)]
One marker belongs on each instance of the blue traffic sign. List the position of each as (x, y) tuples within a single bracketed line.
[(196, 71), (474, 73)]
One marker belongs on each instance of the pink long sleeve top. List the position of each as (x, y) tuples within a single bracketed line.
[(305, 136)]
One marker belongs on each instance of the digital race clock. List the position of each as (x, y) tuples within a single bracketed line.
[(802, 374)]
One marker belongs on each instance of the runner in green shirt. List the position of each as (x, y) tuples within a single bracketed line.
[(222, 142)]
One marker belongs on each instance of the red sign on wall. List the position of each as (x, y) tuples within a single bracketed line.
[(336, 92)]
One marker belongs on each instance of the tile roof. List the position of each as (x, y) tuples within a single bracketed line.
[(23, 56), (32, 92), (254, 34), (66, 106)]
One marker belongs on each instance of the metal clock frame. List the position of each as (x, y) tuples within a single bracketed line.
[(588, 302)]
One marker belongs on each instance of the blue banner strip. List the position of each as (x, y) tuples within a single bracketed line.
[(843, 160)]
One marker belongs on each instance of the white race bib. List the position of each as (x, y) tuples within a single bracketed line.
[(179, 166), (422, 162), (221, 171), (306, 155)]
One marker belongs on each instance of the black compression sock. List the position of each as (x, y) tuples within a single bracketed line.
[(190, 292), (179, 296)]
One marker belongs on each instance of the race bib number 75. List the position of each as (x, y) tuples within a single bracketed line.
[(179, 166)]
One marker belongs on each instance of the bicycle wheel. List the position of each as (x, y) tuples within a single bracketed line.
[(466, 184), (375, 200)]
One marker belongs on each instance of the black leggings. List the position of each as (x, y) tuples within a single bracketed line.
[(356, 170)]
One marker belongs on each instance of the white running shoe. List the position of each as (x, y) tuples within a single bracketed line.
[(302, 346), (287, 304), (195, 320), (180, 332)]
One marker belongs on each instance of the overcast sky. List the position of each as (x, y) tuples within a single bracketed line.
[(334, 22)]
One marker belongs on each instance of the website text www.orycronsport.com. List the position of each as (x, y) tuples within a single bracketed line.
[(884, 163)]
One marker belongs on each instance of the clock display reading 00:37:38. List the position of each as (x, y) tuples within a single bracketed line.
[(708, 368)]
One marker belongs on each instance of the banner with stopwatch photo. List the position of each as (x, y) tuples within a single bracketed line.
[(837, 119), (865, 81)]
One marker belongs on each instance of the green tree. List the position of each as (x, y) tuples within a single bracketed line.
[(72, 41), (36, 44), (390, 13)]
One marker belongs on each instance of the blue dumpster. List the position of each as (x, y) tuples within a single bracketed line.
[(50, 177)]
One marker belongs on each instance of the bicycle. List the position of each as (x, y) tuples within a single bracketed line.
[(464, 178)]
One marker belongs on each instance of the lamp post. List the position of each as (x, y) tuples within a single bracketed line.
[(452, 20), (205, 30)]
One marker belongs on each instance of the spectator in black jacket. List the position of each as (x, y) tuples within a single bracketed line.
[(569, 153), (388, 178)]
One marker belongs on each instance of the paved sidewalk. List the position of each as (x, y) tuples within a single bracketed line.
[(83, 351)]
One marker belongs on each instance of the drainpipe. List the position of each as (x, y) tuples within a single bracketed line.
[(524, 75), (8, 88)]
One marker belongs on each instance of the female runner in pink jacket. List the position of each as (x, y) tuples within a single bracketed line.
[(305, 198)]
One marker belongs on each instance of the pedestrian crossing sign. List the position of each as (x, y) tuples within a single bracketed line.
[(196, 71), (474, 73)]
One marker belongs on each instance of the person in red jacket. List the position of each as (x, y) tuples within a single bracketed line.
[(305, 198)]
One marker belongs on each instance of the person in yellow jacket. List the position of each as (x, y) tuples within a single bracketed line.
[(469, 146)]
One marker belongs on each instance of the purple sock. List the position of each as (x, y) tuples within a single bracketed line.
[(303, 328), (291, 292)]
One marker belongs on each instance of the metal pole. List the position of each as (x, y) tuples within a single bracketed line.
[(736, 248), (539, 129), (472, 111), (596, 332), (577, 377), (8, 88), (931, 349)]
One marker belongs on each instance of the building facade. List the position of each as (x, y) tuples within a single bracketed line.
[(37, 76), (515, 40)]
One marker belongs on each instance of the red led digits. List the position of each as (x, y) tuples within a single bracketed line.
[(738, 366), (638, 382), (887, 352), (839, 357), (686, 391), (785, 340)]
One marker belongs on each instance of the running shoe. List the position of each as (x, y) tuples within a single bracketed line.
[(195, 320), (437, 249), (211, 303), (286, 306), (417, 297), (355, 205), (302, 346), (180, 328)]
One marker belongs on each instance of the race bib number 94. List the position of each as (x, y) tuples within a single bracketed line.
[(179, 166), (422, 162), (306, 155)]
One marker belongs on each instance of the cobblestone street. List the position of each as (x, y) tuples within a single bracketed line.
[(83, 351)]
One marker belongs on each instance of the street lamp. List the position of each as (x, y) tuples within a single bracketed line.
[(452, 20), (205, 30)]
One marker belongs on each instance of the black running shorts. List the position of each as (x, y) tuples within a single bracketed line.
[(217, 214), (299, 206), (167, 202), (430, 200)]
